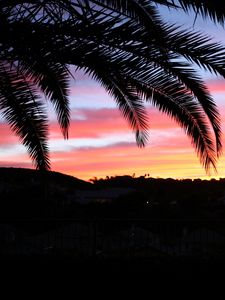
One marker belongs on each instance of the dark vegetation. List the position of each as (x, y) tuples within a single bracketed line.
[(166, 197), (34, 194), (27, 193), (34, 205)]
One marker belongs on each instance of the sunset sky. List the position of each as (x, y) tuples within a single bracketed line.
[(100, 141)]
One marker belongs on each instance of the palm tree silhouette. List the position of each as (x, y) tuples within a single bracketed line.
[(126, 47)]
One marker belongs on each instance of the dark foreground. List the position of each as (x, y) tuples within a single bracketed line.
[(182, 257), (175, 269), (180, 279)]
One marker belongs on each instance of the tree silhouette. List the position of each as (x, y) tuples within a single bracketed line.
[(126, 47)]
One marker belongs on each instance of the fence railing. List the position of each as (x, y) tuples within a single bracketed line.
[(113, 238)]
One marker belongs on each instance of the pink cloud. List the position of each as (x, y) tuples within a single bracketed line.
[(216, 85), (171, 156), (15, 164), (89, 89), (98, 122), (7, 137)]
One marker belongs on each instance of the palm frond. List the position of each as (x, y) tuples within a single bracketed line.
[(181, 107), (207, 55), (192, 83), (206, 8), (128, 102), (123, 44), (215, 9), (142, 65), (53, 79), (23, 110), (198, 48), (37, 64), (190, 117)]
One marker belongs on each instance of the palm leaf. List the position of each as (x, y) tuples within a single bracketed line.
[(53, 79), (128, 102), (126, 47), (181, 107), (37, 65), (215, 10), (23, 110)]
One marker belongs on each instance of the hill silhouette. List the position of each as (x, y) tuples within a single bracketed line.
[(27, 193), (17, 176)]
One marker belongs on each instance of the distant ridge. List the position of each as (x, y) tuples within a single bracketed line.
[(27, 194), (23, 175)]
